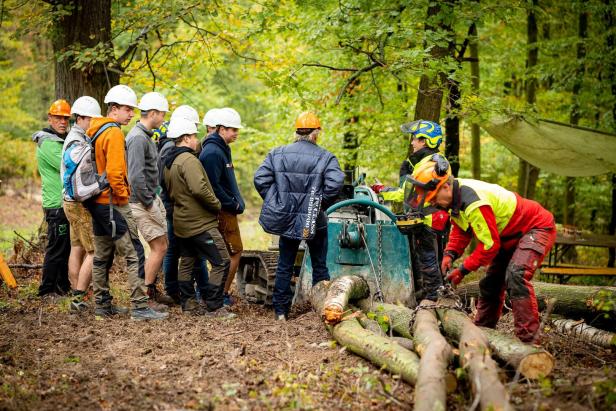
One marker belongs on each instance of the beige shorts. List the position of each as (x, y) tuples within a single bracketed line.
[(151, 223), (80, 222)]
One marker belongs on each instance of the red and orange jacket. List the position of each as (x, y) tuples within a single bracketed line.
[(496, 217), (110, 153)]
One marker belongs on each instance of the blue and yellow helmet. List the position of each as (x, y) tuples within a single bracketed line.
[(424, 129)]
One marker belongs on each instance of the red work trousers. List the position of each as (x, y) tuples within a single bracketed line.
[(511, 271)]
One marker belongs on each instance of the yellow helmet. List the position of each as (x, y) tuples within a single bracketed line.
[(307, 120), (428, 177)]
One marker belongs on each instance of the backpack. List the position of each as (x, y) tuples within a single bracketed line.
[(81, 179)]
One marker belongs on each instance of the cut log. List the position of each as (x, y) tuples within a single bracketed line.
[(340, 292), (317, 295), (532, 362), (404, 342), (475, 357), (399, 317), (381, 351), (572, 301), (371, 325), (584, 332), (435, 353)]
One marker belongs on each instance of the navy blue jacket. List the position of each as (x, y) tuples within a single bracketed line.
[(217, 162), (297, 182)]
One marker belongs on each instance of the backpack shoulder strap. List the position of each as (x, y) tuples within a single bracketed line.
[(101, 130)]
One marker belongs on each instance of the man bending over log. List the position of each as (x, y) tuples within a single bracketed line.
[(513, 236)]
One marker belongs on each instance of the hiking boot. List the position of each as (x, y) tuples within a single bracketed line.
[(227, 300), (159, 297), (109, 311), (153, 300), (79, 306), (191, 306), (222, 313), (146, 313)]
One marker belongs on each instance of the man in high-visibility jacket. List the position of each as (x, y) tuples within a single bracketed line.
[(513, 236), (426, 242)]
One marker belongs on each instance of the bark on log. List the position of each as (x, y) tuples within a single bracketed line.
[(572, 301), (531, 361), (379, 350), (340, 292), (404, 342), (435, 353), (584, 332), (371, 325), (382, 351), (399, 317), (475, 357)]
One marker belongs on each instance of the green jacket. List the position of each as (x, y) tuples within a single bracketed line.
[(49, 158), (195, 207)]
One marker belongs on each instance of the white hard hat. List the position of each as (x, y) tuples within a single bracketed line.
[(86, 106), (211, 117), (228, 117), (187, 113), (122, 95), (153, 101), (180, 126)]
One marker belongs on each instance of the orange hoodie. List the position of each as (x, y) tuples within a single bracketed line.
[(110, 151)]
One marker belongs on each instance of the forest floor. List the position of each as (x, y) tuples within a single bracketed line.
[(52, 359)]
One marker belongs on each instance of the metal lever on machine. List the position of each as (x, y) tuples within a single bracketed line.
[(350, 235)]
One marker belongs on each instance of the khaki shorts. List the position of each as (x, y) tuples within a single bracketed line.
[(80, 222), (151, 223), (230, 230)]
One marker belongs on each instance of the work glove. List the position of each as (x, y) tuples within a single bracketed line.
[(455, 277), (377, 188)]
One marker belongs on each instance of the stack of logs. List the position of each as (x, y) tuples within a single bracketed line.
[(419, 353)]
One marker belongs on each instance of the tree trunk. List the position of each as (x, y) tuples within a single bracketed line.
[(379, 350), (610, 21), (436, 354), (399, 317), (452, 127), (528, 174), (341, 291), (87, 25), (475, 131), (585, 333), (430, 93), (475, 357), (371, 325), (532, 362), (573, 301)]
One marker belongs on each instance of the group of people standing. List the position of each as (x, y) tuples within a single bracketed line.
[(181, 195), (186, 210)]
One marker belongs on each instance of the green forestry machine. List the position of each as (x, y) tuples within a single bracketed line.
[(364, 238)]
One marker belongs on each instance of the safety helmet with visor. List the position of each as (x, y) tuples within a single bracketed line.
[(429, 130)]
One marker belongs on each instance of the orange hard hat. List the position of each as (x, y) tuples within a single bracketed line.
[(60, 108), (430, 176), (307, 120)]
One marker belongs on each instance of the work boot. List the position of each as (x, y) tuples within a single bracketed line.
[(146, 313), (192, 307), (109, 311), (152, 299), (222, 313), (227, 300), (79, 306)]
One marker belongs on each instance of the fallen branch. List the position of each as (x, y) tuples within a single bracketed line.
[(475, 357), (433, 379), (532, 362), (27, 266), (584, 332), (399, 317), (340, 292)]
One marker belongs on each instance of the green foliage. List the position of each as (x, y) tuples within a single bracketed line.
[(17, 158)]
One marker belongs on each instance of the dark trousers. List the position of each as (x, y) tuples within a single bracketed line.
[(317, 246), (170, 265), (55, 264), (211, 246), (426, 258)]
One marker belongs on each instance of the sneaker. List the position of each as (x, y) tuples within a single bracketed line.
[(109, 311), (280, 317), (223, 313), (79, 306), (227, 300), (146, 313)]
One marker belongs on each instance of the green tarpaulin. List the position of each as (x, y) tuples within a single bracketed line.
[(556, 147)]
